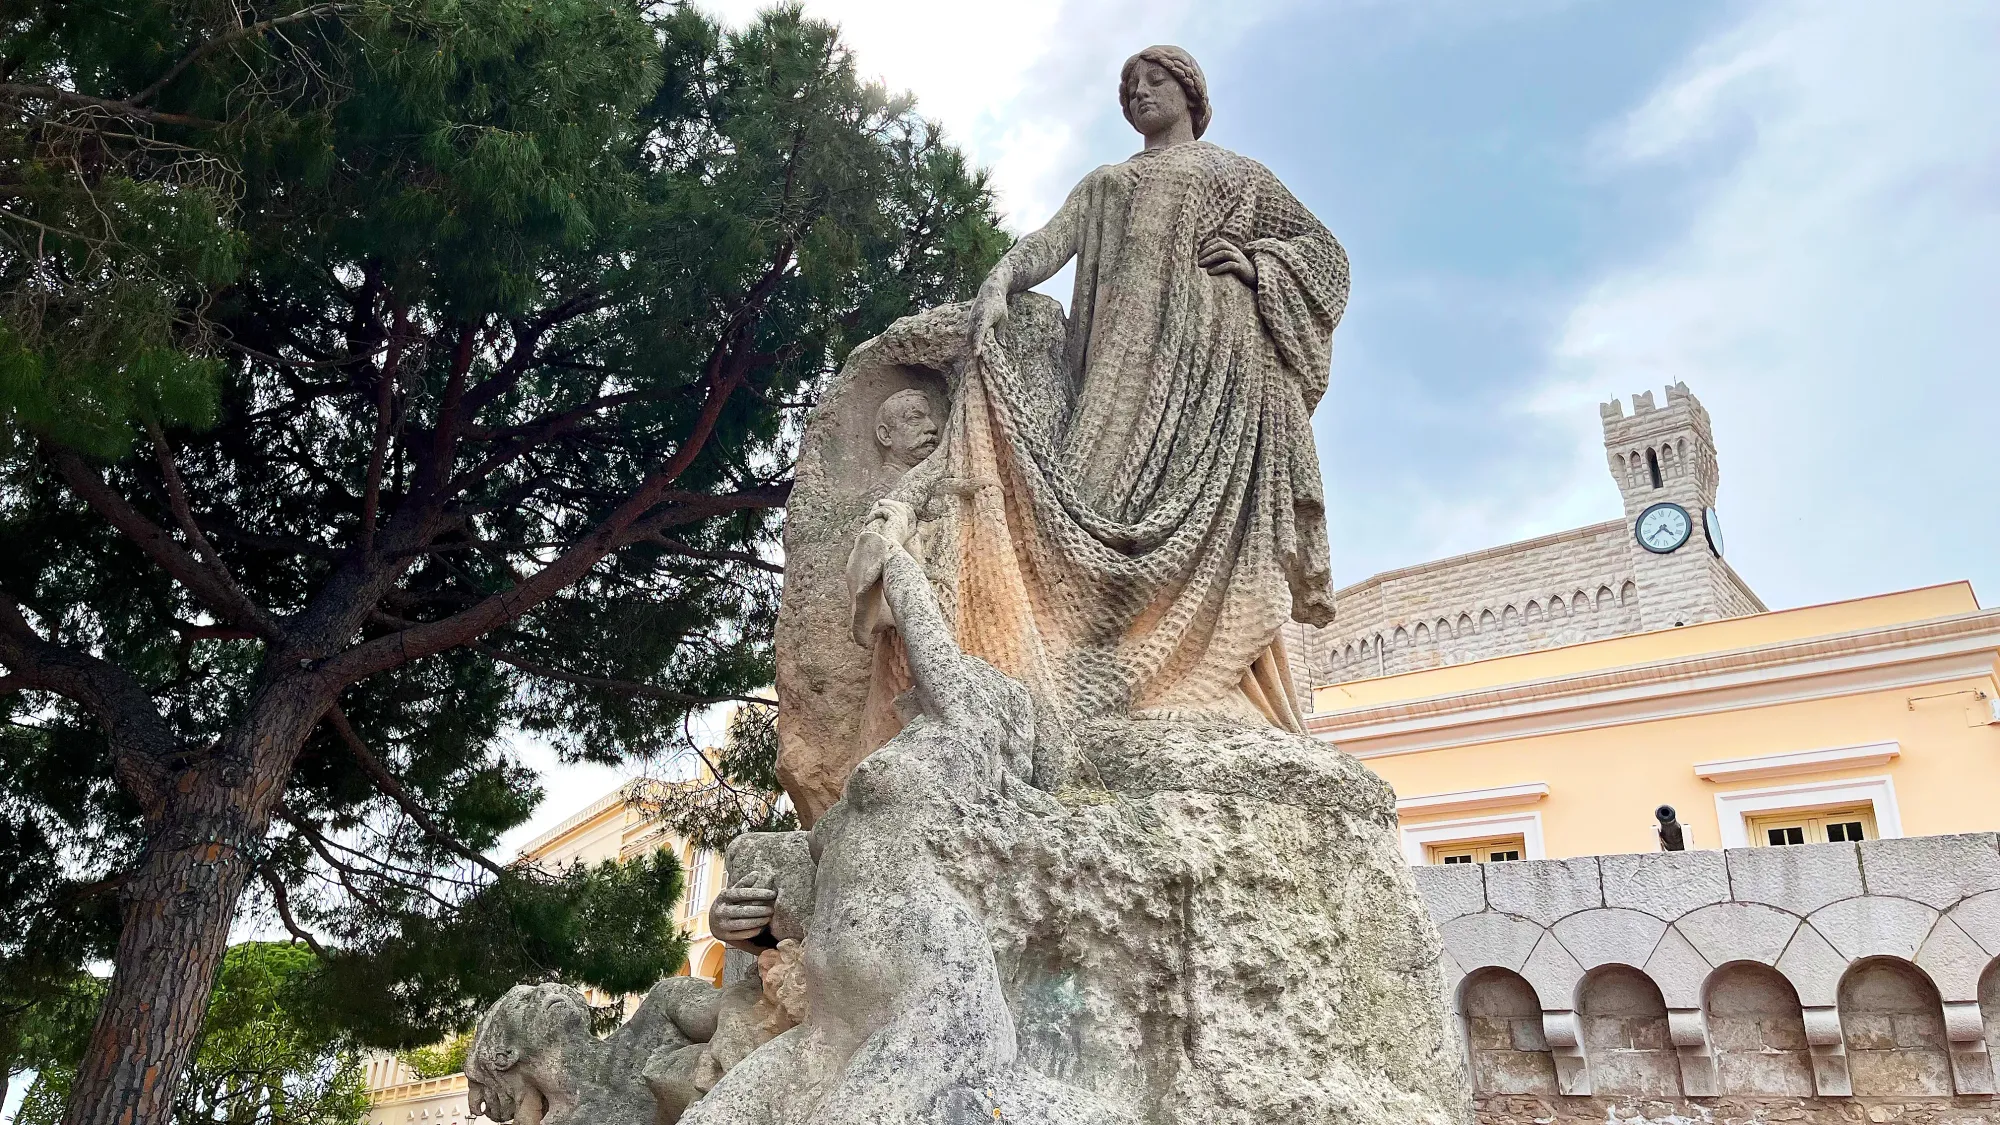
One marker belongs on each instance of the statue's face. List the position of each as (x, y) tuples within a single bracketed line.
[(1157, 99), (905, 429)]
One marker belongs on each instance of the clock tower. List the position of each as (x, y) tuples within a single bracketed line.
[(1663, 458)]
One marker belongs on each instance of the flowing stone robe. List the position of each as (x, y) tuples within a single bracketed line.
[(1127, 533)]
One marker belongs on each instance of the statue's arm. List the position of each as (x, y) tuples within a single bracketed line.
[(1302, 283), (1039, 255), (1031, 261)]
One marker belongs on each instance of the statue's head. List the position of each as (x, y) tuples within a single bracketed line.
[(522, 1048), (1160, 84), (905, 429)]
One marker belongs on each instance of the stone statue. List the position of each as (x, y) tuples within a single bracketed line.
[(906, 431), (1131, 539), (533, 1060), (1071, 858), (905, 1008)]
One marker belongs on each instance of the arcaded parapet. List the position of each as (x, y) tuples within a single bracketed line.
[(1800, 977)]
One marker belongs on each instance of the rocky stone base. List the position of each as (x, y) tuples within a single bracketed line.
[(1531, 1109), (1222, 931)]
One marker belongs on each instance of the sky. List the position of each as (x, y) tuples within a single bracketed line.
[(1791, 205)]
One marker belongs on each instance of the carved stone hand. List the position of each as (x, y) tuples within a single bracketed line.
[(1220, 256), (742, 913)]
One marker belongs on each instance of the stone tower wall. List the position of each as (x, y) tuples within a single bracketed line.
[(1587, 584)]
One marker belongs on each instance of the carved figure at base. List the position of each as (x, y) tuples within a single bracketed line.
[(905, 1011)]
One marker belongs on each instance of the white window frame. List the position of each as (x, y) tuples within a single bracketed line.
[(1527, 825), (1733, 809)]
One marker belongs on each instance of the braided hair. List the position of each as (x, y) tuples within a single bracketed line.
[(1185, 70)]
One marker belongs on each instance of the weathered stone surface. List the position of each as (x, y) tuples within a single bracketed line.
[(1979, 917), (1598, 937), (1800, 880), (1490, 940), (1665, 884), (1543, 892), (1875, 926), (1553, 973), (823, 674), (1738, 931), (533, 1058), (1679, 970), (1934, 870), (1813, 966), (1953, 961), (1450, 890)]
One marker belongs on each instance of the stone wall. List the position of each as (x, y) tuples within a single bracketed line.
[(1540, 593), (1586, 584), (1826, 983)]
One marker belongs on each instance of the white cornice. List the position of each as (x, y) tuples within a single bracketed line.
[(1469, 800), (1937, 651), (1798, 762)]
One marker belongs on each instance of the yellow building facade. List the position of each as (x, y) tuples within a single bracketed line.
[(1869, 718)]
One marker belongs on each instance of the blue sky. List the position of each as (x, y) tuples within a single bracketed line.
[(1794, 205)]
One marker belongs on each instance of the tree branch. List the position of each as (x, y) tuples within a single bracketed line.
[(184, 515), (234, 35), (384, 653), (371, 494), (281, 899), (221, 597), (393, 789), (140, 740), (121, 109), (621, 687), (685, 550)]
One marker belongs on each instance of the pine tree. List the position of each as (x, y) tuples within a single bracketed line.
[(377, 379)]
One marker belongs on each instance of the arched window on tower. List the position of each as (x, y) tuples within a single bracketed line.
[(1653, 467)]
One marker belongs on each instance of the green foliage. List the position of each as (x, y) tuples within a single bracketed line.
[(425, 977), (738, 790), (440, 1059), (414, 298), (258, 1063)]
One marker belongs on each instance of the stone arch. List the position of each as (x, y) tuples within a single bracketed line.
[(1556, 606), (1604, 597), (1534, 611), (1636, 472), (1423, 634), (1347, 654), (1504, 1039), (1464, 625), (1758, 1031), (1579, 601), (1670, 462), (1893, 1022), (1625, 1038), (1402, 637), (1509, 617), (1628, 594), (1486, 620), (1443, 629)]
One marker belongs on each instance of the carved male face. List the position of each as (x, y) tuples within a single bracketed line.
[(905, 429), (1155, 98)]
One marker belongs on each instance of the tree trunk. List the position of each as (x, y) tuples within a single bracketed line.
[(176, 912), (177, 909)]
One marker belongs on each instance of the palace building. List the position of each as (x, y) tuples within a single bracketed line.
[(1660, 566), (1826, 946)]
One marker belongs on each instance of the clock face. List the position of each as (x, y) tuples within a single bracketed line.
[(1664, 527), (1711, 525)]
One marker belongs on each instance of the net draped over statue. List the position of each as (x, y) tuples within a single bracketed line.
[(1127, 531)]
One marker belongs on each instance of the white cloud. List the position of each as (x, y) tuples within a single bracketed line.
[(1832, 298), (1021, 86)]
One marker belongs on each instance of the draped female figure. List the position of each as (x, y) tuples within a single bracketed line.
[(1127, 532)]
